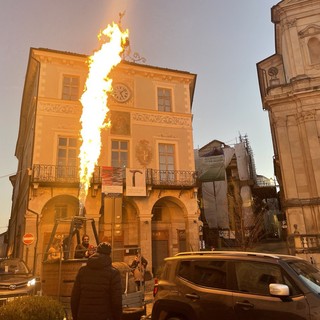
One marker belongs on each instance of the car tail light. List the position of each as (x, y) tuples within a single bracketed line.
[(155, 288)]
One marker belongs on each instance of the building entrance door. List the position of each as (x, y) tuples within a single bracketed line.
[(160, 249)]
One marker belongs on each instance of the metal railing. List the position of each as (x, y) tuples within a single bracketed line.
[(50, 174), (304, 243), (58, 174), (171, 178)]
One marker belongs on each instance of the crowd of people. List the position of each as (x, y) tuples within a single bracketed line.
[(100, 282), (97, 291), (97, 280), (83, 250)]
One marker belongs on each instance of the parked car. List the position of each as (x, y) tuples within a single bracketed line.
[(236, 286), (15, 280)]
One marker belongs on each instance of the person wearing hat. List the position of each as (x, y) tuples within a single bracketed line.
[(97, 291)]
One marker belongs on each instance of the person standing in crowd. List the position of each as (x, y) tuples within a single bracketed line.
[(91, 250), (97, 291), (82, 249), (138, 267), (54, 252)]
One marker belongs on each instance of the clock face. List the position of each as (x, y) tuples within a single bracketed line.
[(121, 92)]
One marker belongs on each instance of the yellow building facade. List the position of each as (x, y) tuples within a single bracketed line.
[(151, 131)]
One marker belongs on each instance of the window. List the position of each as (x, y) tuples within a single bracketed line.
[(157, 213), (255, 277), (70, 88), (67, 151), (308, 274), (119, 153), (314, 50), (67, 157), (60, 212), (205, 273), (164, 99), (166, 162)]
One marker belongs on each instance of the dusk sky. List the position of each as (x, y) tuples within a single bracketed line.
[(219, 40)]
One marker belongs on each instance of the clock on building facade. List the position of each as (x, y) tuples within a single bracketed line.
[(121, 92)]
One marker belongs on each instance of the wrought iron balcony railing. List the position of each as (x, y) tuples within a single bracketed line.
[(176, 178), (49, 174), (55, 174)]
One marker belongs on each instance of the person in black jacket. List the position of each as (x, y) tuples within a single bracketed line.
[(97, 291), (82, 248)]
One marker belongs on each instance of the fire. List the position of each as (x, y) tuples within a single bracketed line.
[(94, 103)]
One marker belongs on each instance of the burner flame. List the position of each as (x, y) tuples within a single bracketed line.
[(94, 102)]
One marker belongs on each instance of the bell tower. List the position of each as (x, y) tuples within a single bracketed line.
[(289, 84)]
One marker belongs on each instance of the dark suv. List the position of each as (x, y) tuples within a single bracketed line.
[(15, 280), (236, 285)]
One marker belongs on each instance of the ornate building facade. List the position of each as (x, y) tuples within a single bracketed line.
[(151, 130), (289, 85)]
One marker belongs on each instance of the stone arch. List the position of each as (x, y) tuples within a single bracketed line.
[(58, 207), (169, 228), (62, 206), (119, 224), (130, 222)]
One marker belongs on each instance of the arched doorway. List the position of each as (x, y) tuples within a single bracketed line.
[(131, 240), (58, 208), (119, 225), (168, 230)]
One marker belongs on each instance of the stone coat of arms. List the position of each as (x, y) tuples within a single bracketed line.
[(144, 152)]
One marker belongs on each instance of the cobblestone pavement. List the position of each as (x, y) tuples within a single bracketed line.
[(149, 296)]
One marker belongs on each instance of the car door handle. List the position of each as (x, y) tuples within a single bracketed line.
[(245, 305), (192, 296)]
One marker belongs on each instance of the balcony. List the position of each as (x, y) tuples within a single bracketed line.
[(48, 174), (68, 176), (304, 243)]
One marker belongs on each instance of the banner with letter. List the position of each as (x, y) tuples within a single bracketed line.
[(136, 182)]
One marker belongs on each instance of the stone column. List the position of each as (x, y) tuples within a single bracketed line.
[(311, 151), (284, 153), (145, 233), (29, 250)]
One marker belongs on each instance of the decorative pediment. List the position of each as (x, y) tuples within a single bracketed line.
[(309, 31)]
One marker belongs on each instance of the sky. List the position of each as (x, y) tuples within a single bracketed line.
[(220, 41)]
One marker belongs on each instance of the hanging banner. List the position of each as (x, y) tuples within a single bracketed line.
[(215, 204), (112, 180), (136, 182), (211, 166)]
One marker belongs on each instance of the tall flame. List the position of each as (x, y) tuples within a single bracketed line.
[(94, 103)]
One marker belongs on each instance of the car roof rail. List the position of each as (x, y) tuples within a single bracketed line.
[(238, 253)]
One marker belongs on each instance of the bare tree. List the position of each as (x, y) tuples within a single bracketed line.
[(249, 228)]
